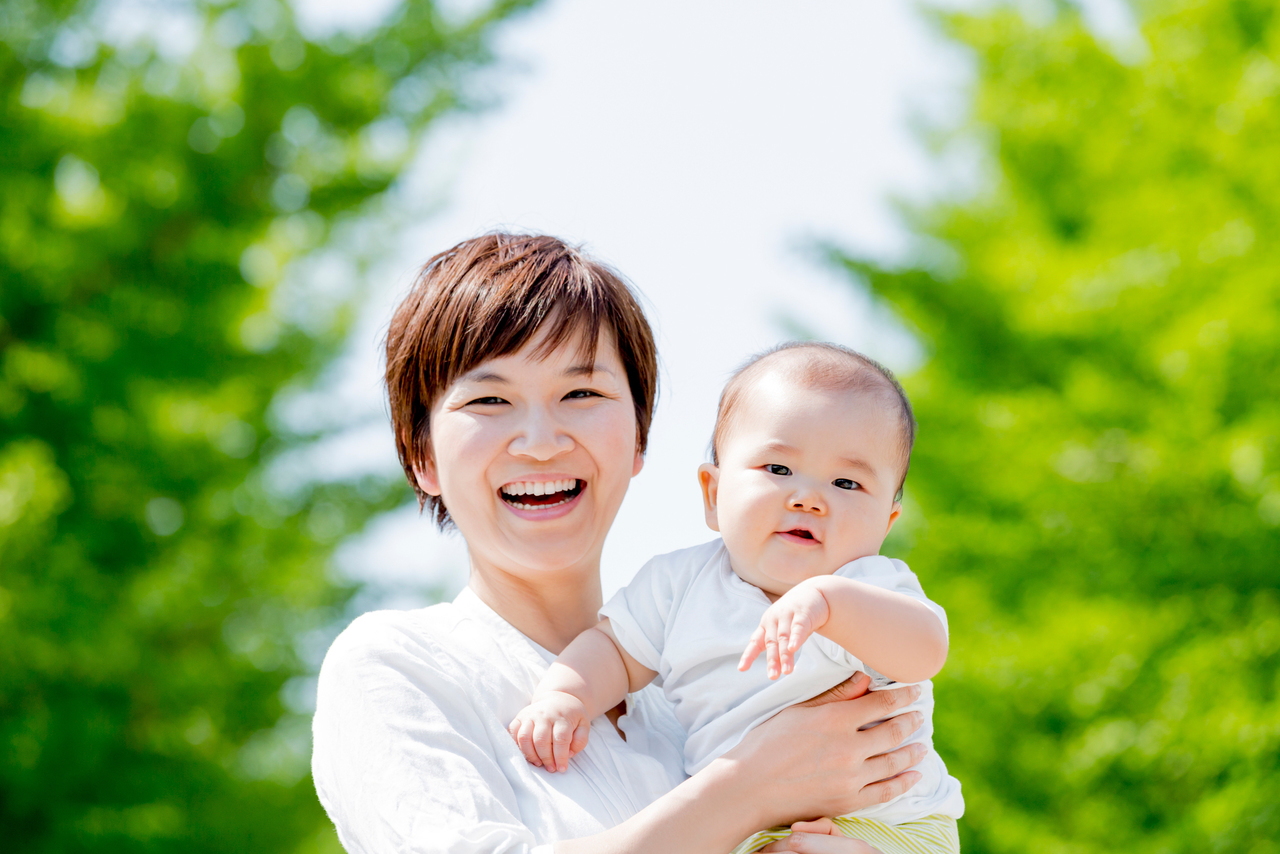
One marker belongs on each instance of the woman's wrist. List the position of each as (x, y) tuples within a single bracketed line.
[(714, 810)]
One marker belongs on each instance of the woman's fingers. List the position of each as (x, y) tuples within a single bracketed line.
[(822, 825), (887, 790), (873, 706), (894, 762), (821, 843), (852, 688), (893, 732)]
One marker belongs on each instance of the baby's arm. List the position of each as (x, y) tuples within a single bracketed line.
[(591, 676), (891, 632)]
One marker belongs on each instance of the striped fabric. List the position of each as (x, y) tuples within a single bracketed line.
[(934, 834)]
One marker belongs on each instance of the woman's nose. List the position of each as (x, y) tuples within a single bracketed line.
[(540, 437)]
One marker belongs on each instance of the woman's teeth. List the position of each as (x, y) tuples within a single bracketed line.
[(539, 488), (567, 490)]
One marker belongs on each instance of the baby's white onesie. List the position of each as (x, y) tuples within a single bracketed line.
[(687, 616)]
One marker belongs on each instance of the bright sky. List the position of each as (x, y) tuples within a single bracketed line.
[(701, 149)]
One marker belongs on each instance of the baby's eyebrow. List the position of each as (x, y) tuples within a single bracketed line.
[(862, 465)]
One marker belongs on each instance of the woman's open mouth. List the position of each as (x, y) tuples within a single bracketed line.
[(541, 495)]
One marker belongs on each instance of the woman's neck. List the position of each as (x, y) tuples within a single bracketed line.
[(551, 611)]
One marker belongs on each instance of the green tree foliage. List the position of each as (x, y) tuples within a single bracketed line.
[(161, 166), (1097, 483)]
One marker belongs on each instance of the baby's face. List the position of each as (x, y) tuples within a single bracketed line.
[(806, 482)]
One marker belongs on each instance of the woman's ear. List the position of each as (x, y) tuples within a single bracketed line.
[(638, 464), (424, 473), (709, 480)]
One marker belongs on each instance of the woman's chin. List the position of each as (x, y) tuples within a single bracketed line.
[(556, 554)]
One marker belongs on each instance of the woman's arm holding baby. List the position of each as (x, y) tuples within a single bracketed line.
[(891, 632), (591, 676)]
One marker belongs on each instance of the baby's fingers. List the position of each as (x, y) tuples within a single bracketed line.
[(774, 668), (562, 734), (755, 646), (580, 736), (786, 647), (797, 633), (542, 744), (524, 739)]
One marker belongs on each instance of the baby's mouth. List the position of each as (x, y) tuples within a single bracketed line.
[(539, 495), (801, 533)]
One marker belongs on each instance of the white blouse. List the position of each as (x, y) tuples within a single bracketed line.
[(411, 751)]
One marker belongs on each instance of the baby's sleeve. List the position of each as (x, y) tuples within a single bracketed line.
[(638, 613), (890, 574)]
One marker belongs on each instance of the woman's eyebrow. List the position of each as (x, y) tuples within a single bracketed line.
[(587, 370), (479, 376)]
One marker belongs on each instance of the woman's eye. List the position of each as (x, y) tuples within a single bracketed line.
[(844, 483), (773, 468), (580, 393), (485, 401)]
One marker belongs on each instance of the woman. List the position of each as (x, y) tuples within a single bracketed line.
[(522, 379)]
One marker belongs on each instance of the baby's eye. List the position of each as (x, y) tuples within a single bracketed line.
[(844, 483), (773, 468), (485, 401), (581, 393)]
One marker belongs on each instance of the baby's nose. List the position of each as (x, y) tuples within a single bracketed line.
[(811, 503)]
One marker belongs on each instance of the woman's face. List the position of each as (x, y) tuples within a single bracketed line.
[(533, 456)]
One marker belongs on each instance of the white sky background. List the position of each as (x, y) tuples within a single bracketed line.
[(699, 148)]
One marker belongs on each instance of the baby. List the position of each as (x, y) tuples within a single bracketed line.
[(810, 450)]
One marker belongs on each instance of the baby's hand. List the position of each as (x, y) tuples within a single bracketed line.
[(787, 624), (551, 729)]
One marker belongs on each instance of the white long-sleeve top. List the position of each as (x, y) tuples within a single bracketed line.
[(411, 752)]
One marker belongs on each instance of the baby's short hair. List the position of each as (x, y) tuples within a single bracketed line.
[(822, 365)]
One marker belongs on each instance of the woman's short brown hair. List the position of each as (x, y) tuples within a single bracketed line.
[(488, 297)]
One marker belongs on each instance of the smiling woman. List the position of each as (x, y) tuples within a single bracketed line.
[(485, 299), (522, 378)]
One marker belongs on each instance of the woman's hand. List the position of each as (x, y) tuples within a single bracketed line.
[(808, 760), (816, 758), (820, 837)]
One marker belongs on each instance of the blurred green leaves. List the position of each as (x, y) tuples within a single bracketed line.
[(1096, 488), (167, 169)]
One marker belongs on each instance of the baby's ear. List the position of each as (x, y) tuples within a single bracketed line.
[(709, 480), (894, 513)]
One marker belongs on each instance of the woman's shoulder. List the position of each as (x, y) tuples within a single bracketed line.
[(380, 630), (394, 639)]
